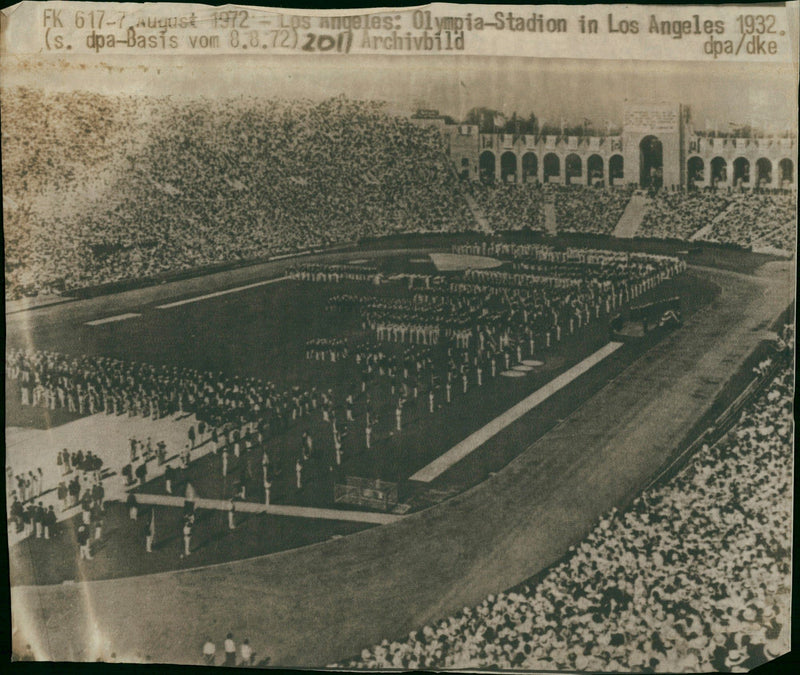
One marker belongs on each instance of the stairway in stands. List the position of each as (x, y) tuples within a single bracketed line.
[(632, 217), (703, 232), (550, 220), (477, 212)]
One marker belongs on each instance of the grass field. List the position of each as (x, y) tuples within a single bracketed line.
[(261, 332), (502, 531)]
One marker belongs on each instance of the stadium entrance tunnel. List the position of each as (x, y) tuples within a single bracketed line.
[(651, 162)]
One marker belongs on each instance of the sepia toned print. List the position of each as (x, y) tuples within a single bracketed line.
[(417, 338)]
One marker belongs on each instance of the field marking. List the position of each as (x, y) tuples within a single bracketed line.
[(475, 440), (218, 293), (273, 509), (112, 319)]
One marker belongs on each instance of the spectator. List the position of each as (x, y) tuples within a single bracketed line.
[(230, 651), (177, 201), (694, 576), (247, 654), (209, 652)]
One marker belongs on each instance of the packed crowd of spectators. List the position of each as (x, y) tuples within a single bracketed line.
[(757, 220), (101, 189), (199, 182), (577, 208), (589, 209), (693, 576), (678, 214), (748, 218), (510, 206)]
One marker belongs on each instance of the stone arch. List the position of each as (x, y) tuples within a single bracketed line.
[(616, 169), (786, 171), (695, 170), (486, 166), (508, 167), (594, 169), (719, 170), (573, 169), (741, 171), (552, 166), (530, 167), (651, 162), (763, 172)]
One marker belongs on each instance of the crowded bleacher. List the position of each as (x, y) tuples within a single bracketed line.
[(679, 215), (693, 576), (757, 220), (211, 182), (589, 209), (100, 189), (509, 206)]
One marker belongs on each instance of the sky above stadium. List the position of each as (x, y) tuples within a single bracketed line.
[(718, 93)]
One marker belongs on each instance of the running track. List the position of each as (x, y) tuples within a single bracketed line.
[(312, 606)]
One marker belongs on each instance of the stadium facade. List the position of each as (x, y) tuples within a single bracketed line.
[(658, 146)]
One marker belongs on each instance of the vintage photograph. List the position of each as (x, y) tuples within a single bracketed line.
[(399, 360)]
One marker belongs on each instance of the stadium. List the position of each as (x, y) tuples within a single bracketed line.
[(374, 390)]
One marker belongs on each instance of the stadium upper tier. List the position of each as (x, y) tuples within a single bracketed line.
[(99, 189)]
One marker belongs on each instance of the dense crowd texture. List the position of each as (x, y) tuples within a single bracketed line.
[(679, 215), (757, 220), (693, 577), (589, 209), (511, 207), (577, 208), (748, 219), (99, 189)]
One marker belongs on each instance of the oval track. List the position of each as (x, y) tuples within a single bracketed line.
[(323, 603)]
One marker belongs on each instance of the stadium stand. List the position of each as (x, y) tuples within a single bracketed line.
[(678, 215), (757, 220), (589, 209), (683, 580), (511, 207), (212, 182), (100, 189), (748, 219)]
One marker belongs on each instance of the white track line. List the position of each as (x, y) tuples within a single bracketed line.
[(274, 509), (112, 319), (475, 440), (218, 293)]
